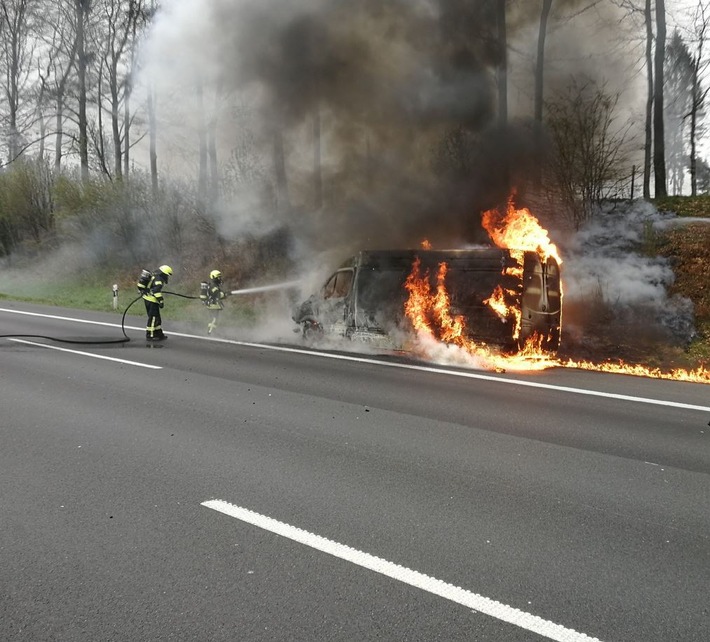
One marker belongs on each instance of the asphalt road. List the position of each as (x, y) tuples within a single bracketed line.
[(214, 490)]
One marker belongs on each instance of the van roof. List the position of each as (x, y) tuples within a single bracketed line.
[(481, 258)]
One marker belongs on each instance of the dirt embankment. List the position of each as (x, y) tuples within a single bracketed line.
[(687, 246)]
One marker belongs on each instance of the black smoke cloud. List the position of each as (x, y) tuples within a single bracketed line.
[(406, 95), (375, 62)]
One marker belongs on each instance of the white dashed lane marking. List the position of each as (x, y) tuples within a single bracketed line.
[(88, 354), (418, 580)]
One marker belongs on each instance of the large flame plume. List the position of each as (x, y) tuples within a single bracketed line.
[(517, 230)]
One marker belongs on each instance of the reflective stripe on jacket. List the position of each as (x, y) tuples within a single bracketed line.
[(154, 291)]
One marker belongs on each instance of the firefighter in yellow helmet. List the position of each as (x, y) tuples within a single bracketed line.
[(212, 295), (153, 299)]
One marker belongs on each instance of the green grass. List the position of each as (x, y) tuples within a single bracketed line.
[(685, 205), (69, 295), (99, 297)]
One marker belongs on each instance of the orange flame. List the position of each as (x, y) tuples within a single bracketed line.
[(426, 245), (497, 303), (419, 302), (451, 327), (700, 374), (519, 229)]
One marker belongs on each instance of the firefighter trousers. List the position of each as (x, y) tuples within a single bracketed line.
[(153, 329), (213, 323)]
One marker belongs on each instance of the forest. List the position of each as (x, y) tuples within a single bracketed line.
[(268, 137)]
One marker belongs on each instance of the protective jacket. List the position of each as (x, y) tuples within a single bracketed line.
[(154, 291), (215, 296)]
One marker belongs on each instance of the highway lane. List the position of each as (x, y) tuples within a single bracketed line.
[(589, 512)]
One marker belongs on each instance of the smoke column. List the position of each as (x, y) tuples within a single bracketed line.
[(403, 93)]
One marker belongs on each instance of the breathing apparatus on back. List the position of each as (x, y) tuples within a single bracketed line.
[(204, 292), (143, 283)]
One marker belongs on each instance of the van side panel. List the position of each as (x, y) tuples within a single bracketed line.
[(375, 302)]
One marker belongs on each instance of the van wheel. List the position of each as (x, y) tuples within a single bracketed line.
[(312, 331)]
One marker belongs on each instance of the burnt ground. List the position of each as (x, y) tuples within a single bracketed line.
[(687, 248)]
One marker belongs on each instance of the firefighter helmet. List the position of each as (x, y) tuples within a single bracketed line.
[(166, 270), (215, 274)]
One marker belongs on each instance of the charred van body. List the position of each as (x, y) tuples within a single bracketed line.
[(365, 297)]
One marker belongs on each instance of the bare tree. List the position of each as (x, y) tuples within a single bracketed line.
[(149, 11), (202, 147), (17, 21), (659, 143), (539, 80), (502, 71), (502, 78), (112, 38), (82, 8), (140, 14), (540, 61), (152, 138), (212, 119), (679, 83), (701, 27), (648, 132), (587, 158), (58, 58), (644, 8), (118, 27)]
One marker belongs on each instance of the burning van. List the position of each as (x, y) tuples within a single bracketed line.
[(490, 296)]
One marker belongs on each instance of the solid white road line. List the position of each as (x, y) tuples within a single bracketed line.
[(88, 354), (405, 366), (54, 316), (470, 375), (450, 592)]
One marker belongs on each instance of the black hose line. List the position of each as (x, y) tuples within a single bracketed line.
[(125, 339)]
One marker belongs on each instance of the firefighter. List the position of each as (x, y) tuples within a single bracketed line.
[(153, 298), (212, 295)]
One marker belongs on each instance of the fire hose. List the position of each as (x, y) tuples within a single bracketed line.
[(125, 338)]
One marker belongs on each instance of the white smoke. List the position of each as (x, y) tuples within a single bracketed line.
[(605, 263)]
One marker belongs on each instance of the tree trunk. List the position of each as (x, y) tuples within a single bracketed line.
[(127, 128), (42, 133), (540, 64), (698, 94), (115, 126), (502, 65), (81, 12), (503, 84), (212, 144), (59, 131), (202, 148), (153, 138), (539, 85), (659, 147), (13, 97), (648, 134), (693, 152), (99, 145)]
